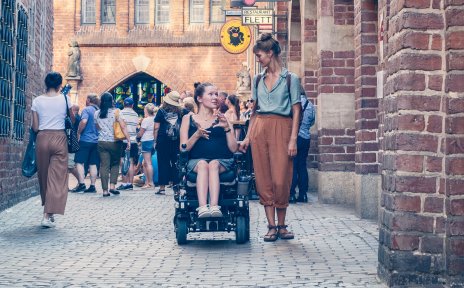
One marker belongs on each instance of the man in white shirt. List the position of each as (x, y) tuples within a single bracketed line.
[(131, 118)]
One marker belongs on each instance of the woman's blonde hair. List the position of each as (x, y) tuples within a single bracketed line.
[(150, 109)]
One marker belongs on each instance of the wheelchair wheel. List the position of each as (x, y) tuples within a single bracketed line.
[(241, 230), (181, 231), (247, 228)]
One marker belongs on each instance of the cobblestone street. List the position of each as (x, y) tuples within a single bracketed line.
[(129, 241)]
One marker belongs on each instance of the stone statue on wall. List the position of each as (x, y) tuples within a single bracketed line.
[(74, 61), (244, 78)]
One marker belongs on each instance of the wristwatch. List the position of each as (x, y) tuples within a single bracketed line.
[(227, 131)]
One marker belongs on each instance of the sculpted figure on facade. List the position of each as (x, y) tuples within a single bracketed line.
[(244, 78), (74, 60)]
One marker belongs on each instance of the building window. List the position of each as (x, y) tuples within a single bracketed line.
[(142, 13), (108, 11), (217, 12), (197, 9), (162, 11), (31, 38), (43, 34), (19, 102), (7, 68), (89, 8)]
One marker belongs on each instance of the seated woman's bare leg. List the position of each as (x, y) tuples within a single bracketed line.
[(202, 182), (215, 168)]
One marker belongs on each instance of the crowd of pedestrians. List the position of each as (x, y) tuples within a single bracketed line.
[(278, 118)]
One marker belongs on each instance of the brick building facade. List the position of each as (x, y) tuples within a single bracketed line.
[(26, 57), (387, 79), (176, 42)]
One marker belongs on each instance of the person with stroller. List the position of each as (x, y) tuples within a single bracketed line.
[(273, 134), (209, 139)]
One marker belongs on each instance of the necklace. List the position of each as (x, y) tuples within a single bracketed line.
[(207, 120)]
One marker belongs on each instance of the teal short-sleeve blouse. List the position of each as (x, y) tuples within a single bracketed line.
[(276, 101)]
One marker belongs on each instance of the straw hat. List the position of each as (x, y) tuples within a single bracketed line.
[(172, 98)]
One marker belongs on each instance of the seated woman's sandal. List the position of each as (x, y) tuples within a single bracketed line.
[(271, 237), (286, 235)]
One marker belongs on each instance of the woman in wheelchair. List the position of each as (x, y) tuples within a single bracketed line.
[(210, 145)]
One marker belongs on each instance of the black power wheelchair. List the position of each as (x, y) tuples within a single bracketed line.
[(233, 199)]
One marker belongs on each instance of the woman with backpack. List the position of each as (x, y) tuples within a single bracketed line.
[(166, 135), (300, 172), (273, 134)]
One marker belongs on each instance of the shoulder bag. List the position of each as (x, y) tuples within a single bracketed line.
[(118, 135), (71, 133)]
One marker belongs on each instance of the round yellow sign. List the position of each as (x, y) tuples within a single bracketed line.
[(235, 38)]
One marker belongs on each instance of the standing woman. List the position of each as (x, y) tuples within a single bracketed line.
[(273, 133), (166, 135), (109, 148), (48, 114), (233, 112), (147, 138)]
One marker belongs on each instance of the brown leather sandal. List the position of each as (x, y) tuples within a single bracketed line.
[(284, 235), (272, 236)]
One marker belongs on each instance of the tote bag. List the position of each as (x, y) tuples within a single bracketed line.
[(29, 166)]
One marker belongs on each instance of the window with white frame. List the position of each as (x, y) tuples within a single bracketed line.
[(89, 8), (108, 11), (43, 34), (142, 12), (197, 8), (31, 38), (217, 12), (162, 11)]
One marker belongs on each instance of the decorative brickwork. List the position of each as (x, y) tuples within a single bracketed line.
[(366, 62), (309, 78), (422, 223), (310, 30), (453, 146), (343, 12), (336, 146), (337, 72), (336, 149)]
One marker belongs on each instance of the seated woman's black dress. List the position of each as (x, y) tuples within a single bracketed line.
[(214, 148)]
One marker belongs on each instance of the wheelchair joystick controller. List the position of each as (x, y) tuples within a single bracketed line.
[(243, 182)]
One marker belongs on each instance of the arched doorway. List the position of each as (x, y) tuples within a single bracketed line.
[(141, 87)]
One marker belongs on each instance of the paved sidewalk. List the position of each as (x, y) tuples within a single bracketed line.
[(129, 241)]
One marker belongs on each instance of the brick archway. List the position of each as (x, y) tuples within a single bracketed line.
[(128, 69)]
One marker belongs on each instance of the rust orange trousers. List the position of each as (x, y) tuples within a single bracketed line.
[(273, 167)]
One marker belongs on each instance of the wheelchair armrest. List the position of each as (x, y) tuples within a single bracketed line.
[(182, 162)]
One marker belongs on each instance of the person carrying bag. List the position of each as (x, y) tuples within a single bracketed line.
[(48, 119)]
